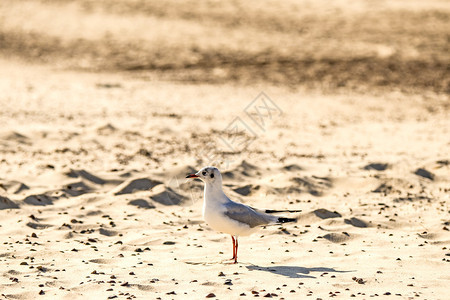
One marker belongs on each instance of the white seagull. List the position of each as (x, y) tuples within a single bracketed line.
[(227, 216)]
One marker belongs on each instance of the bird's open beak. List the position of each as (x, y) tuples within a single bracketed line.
[(192, 176)]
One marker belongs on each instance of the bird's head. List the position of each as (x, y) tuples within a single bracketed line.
[(208, 175)]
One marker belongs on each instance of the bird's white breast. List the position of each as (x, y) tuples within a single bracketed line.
[(214, 216)]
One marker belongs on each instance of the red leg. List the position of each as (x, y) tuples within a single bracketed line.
[(235, 251), (234, 246)]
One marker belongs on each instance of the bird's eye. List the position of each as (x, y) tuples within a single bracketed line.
[(204, 173), (212, 175)]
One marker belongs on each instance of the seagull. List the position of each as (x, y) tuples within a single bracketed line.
[(227, 216)]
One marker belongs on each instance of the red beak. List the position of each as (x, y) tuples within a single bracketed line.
[(192, 176)]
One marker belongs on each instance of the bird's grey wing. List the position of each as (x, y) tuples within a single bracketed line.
[(245, 214)]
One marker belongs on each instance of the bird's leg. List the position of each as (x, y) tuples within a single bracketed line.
[(235, 251), (234, 246)]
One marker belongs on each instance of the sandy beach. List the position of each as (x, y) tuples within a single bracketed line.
[(94, 203)]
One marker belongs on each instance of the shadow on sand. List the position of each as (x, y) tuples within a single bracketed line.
[(293, 271)]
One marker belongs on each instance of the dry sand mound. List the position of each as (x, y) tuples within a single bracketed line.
[(133, 185), (41, 199), (85, 175), (167, 196), (376, 166), (357, 222), (14, 187), (337, 237), (325, 214), (6, 203), (424, 173), (142, 203), (314, 185), (246, 189), (242, 170)]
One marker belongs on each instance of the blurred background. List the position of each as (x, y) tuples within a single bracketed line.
[(399, 44)]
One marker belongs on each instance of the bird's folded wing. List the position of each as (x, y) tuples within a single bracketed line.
[(244, 214)]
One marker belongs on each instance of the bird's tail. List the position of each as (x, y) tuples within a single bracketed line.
[(274, 211), (286, 220)]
